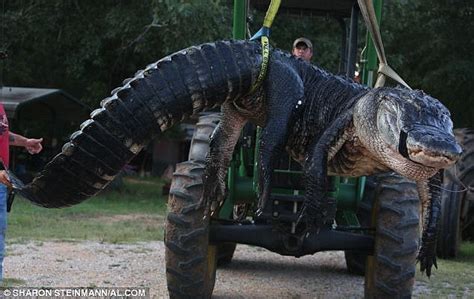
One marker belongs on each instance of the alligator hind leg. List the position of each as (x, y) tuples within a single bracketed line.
[(285, 92), (223, 141)]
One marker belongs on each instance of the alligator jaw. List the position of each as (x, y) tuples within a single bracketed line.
[(432, 158), (432, 147)]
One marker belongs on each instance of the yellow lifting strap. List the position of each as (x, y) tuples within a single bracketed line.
[(367, 10), (271, 13), (263, 68), (263, 34)]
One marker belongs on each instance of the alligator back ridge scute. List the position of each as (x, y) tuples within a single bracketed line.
[(179, 85)]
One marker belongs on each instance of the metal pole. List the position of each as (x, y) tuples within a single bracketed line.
[(239, 30), (371, 64), (343, 62), (352, 53)]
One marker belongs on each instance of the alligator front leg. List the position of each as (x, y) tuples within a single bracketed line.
[(223, 141), (318, 209), (430, 195)]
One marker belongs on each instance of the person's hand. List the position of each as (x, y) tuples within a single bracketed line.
[(33, 146), (4, 179)]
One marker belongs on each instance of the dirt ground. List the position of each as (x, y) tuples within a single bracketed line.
[(254, 272)]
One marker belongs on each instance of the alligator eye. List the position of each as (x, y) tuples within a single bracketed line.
[(402, 144)]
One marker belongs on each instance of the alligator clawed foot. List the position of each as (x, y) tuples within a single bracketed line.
[(217, 193), (220, 192), (214, 192), (427, 259)]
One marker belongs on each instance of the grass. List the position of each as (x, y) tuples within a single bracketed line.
[(453, 278), (11, 282), (135, 213)]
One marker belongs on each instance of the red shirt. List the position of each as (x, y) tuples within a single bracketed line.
[(4, 137)]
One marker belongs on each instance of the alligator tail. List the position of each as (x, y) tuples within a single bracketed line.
[(179, 85)]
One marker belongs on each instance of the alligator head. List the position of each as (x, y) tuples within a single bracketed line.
[(407, 131)]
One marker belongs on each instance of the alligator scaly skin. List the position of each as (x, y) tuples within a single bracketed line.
[(167, 91)]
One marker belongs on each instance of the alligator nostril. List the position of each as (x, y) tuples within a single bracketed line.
[(402, 144), (455, 152)]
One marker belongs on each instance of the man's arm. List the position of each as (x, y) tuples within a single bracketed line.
[(33, 146), (4, 179)]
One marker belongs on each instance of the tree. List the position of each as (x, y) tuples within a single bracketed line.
[(89, 47), (430, 43)]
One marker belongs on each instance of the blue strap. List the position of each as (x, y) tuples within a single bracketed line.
[(264, 31)]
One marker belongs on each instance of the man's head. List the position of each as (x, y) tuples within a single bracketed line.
[(303, 48)]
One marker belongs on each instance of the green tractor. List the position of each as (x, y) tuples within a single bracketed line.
[(377, 218)]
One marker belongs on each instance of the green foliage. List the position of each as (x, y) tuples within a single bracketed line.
[(430, 43), (186, 23), (89, 47), (323, 32), (74, 45)]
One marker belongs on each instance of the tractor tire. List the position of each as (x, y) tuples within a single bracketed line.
[(190, 259), (449, 232), (465, 173), (199, 148), (198, 153), (457, 208), (390, 271), (356, 261), (225, 253)]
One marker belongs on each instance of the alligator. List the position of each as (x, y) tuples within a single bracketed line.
[(330, 124)]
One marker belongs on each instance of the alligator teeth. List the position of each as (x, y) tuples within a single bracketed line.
[(430, 158)]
